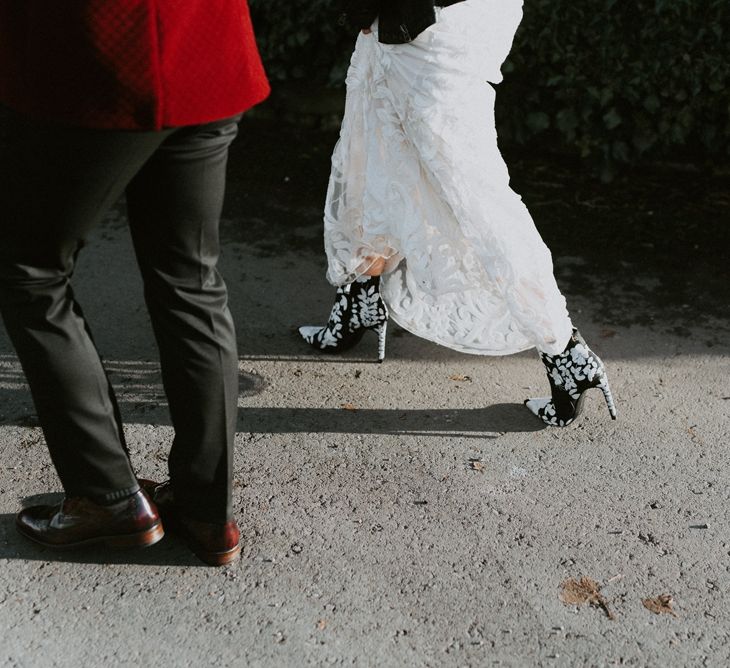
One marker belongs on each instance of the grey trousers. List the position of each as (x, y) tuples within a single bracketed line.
[(56, 184)]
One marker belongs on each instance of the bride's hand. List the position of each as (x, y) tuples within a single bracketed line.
[(375, 266)]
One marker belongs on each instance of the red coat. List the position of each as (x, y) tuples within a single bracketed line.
[(129, 64)]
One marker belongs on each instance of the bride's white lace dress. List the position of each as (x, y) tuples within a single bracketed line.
[(417, 178)]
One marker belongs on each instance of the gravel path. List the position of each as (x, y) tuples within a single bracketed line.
[(409, 513)]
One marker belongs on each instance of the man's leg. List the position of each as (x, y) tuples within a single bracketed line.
[(55, 185), (174, 206)]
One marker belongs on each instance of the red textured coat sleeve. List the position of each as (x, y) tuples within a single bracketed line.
[(129, 64)]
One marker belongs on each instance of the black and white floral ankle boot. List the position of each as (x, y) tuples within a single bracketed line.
[(358, 307), (571, 373)]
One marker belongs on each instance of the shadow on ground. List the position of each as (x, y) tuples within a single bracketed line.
[(483, 423), (462, 423)]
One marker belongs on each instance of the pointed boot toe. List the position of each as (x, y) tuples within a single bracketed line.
[(309, 332), (535, 405)]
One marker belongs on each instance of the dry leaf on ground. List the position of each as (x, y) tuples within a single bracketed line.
[(322, 624), (348, 406), (584, 590), (476, 465), (660, 604), (459, 378)]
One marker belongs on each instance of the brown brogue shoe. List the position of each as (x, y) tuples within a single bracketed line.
[(215, 544), (77, 521)]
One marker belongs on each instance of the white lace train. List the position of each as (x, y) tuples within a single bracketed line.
[(417, 178)]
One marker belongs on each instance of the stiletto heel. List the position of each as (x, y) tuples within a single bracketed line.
[(358, 307), (381, 331), (608, 396), (571, 374)]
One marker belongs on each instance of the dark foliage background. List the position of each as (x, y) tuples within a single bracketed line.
[(610, 80)]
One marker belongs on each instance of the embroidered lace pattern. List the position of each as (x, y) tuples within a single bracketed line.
[(417, 178)]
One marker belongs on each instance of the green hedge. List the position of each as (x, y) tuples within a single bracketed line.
[(611, 80), (302, 40)]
